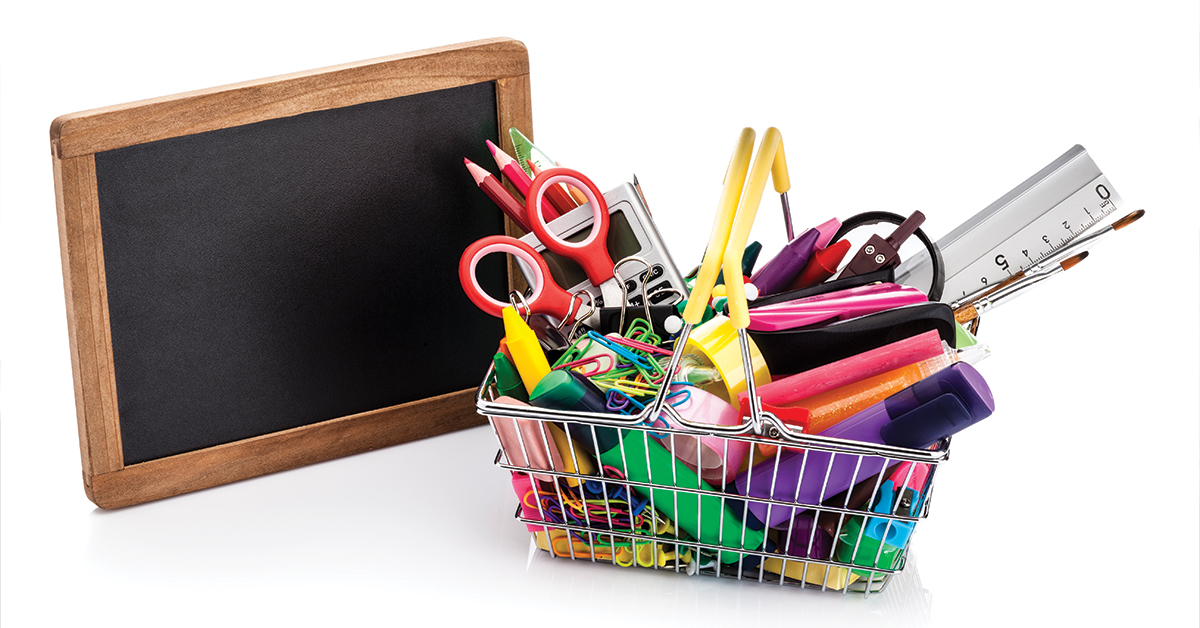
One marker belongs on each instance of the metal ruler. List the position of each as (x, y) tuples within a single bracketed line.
[(1022, 228)]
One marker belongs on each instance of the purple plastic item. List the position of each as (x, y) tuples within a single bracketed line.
[(840, 468), (783, 268), (799, 545), (938, 406)]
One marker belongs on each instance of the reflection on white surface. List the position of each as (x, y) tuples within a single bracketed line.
[(423, 525), (689, 599)]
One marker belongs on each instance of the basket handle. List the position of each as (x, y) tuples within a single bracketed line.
[(706, 278), (769, 160)]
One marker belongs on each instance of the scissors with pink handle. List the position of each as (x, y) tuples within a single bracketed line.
[(591, 253)]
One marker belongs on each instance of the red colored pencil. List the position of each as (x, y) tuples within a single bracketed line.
[(515, 175), (569, 193), (496, 191)]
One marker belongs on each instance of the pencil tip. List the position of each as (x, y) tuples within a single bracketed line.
[(477, 172), (1128, 220)]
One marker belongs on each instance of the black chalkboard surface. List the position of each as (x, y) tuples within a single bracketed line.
[(270, 284), (276, 274)]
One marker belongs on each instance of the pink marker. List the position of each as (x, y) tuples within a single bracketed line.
[(852, 369)]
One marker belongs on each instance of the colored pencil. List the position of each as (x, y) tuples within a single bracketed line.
[(496, 191)]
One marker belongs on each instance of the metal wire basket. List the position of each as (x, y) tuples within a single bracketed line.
[(625, 490)]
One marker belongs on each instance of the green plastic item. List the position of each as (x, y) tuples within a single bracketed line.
[(963, 338), (708, 311), (527, 152), (508, 380), (868, 548), (707, 521)]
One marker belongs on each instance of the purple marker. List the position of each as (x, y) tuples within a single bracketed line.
[(779, 272), (942, 404)]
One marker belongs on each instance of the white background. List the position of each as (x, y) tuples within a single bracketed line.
[(1075, 503)]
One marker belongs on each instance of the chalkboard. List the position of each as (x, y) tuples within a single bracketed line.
[(274, 282)]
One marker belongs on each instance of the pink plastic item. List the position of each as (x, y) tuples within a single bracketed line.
[(703, 407), (839, 305), (852, 369)]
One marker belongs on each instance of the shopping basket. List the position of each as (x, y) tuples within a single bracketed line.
[(638, 490)]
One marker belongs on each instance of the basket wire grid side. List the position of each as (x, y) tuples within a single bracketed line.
[(861, 568), (857, 564)]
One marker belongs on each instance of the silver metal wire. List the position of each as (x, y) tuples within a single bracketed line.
[(780, 562)]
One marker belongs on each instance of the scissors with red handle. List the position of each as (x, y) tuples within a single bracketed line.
[(591, 253)]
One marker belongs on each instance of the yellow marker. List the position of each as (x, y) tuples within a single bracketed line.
[(526, 352)]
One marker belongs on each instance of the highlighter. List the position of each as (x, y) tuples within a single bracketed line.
[(565, 389), (508, 380), (918, 416), (827, 409), (525, 349)]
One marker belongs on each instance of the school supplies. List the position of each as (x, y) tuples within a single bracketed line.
[(1028, 225), (514, 209), (776, 274), (971, 311), (801, 349), (558, 202), (631, 234), (716, 459), (844, 471), (879, 252), (854, 368), (832, 306), (821, 266), (526, 352), (508, 379), (531, 443)]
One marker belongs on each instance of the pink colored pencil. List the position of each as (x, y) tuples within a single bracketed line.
[(515, 175)]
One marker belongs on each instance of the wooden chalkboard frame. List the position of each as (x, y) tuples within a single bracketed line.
[(76, 138)]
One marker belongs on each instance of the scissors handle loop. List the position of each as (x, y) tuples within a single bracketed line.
[(547, 297), (592, 252)]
